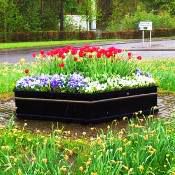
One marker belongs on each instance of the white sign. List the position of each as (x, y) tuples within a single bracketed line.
[(145, 25)]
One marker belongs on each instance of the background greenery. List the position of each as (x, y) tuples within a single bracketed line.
[(111, 15)]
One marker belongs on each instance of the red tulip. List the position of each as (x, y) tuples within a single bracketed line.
[(61, 65), (63, 56), (139, 57), (129, 55), (119, 50), (33, 55), (81, 54), (74, 51), (99, 55), (42, 52)]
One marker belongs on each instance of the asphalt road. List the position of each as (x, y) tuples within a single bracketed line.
[(159, 49)]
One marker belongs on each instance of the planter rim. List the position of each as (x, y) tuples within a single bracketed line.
[(88, 94)]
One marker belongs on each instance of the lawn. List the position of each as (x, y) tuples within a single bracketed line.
[(145, 147), (42, 44), (163, 70)]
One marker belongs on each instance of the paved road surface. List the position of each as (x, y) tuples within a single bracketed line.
[(159, 49)]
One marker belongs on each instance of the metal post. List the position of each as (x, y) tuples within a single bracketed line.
[(143, 37), (150, 40)]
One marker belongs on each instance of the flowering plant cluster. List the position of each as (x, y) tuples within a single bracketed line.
[(84, 70), (77, 83), (90, 61)]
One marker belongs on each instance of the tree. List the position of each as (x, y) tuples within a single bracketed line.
[(104, 8)]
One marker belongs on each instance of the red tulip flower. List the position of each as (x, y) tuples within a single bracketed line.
[(63, 56), (129, 55), (99, 55), (81, 54), (139, 57), (61, 65), (74, 51), (119, 50), (42, 52), (34, 55)]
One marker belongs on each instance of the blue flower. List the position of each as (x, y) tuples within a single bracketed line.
[(76, 81), (138, 72), (57, 81)]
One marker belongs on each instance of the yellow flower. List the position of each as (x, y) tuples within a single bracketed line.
[(66, 157), (146, 137), (99, 140), (83, 133), (19, 171), (128, 143), (25, 124), (141, 168), (63, 169), (130, 171), (70, 152), (59, 131), (33, 159), (22, 61), (151, 150), (81, 168), (88, 162), (44, 160), (108, 127), (125, 118), (124, 154), (173, 173), (120, 149), (94, 173), (7, 148)]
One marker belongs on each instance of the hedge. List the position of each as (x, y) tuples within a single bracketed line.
[(54, 35)]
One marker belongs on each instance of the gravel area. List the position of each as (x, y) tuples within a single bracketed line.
[(166, 104)]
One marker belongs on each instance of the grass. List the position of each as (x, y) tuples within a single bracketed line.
[(41, 44), (163, 71), (146, 147)]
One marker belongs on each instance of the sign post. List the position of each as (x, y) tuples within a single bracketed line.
[(146, 25)]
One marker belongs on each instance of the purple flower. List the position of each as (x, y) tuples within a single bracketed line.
[(76, 81), (43, 80), (57, 81), (138, 72)]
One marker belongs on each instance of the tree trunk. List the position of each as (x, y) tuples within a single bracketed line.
[(104, 8), (61, 19)]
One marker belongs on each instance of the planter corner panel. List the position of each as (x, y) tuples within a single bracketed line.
[(85, 108)]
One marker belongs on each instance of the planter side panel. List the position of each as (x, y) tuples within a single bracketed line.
[(101, 110)]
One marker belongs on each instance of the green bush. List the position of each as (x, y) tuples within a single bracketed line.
[(129, 22)]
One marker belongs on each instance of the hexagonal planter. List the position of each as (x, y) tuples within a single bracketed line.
[(84, 108)]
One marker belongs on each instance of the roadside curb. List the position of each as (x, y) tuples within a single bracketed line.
[(149, 49)]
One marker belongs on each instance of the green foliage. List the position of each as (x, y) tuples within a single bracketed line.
[(130, 22), (165, 75), (32, 15), (146, 147), (143, 149), (127, 14)]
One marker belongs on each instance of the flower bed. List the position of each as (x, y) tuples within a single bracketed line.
[(84, 84)]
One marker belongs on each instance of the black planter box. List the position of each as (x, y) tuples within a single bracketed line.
[(85, 108)]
